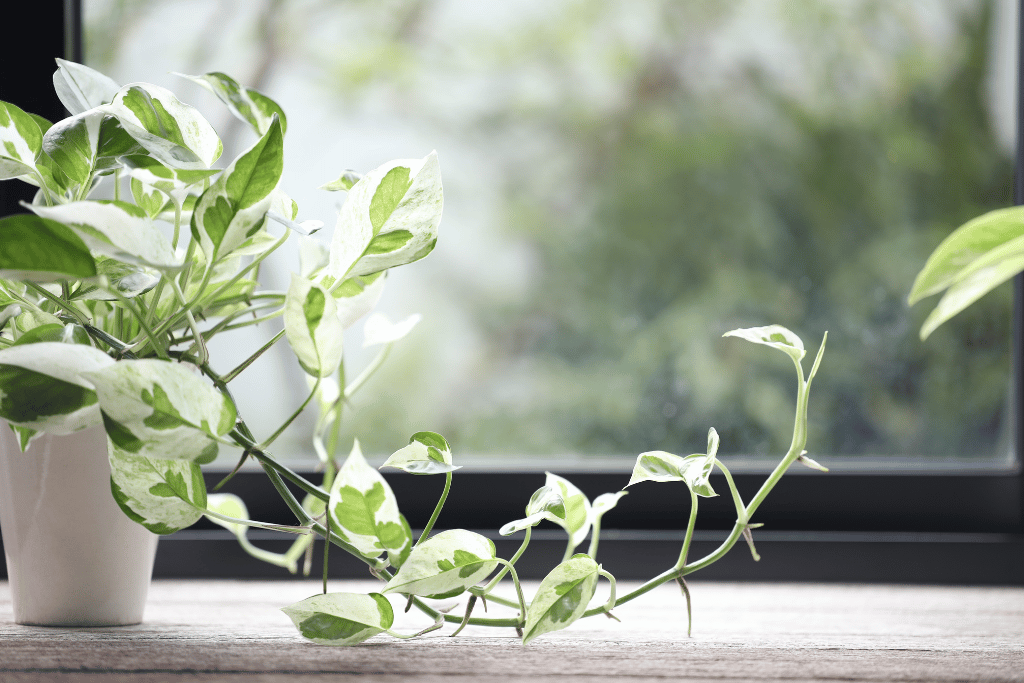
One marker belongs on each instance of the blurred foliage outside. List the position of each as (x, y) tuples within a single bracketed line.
[(662, 172)]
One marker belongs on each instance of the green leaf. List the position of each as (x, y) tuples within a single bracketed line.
[(88, 143), (963, 246), (427, 453), (44, 386), (562, 597), (25, 436), (234, 207), (161, 409), (312, 327), (230, 505), (20, 142), (445, 565), (364, 511), (116, 229), (148, 198), (177, 183), (171, 131), (577, 508), (162, 495), (775, 336), (42, 250), (545, 503), (980, 277), (341, 618), (694, 470), (379, 330), (81, 88), (389, 218), (246, 104), (357, 296), (55, 332)]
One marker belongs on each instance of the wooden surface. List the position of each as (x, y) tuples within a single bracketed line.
[(234, 631)]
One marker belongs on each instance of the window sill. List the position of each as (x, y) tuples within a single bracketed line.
[(224, 630)]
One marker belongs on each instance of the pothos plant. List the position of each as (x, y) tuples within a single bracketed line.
[(108, 307)]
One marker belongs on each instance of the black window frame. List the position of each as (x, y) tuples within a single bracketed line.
[(916, 525)]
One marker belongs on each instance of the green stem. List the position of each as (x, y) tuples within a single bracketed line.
[(252, 359), (273, 437), (515, 558), (741, 510), (595, 534), (437, 508), (367, 372), (68, 308), (200, 343), (689, 531), (279, 469), (569, 547)]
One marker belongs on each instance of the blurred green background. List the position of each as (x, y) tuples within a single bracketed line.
[(625, 181)]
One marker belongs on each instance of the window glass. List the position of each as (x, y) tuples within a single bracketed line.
[(625, 182)]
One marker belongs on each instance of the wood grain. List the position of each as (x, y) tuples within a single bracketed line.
[(234, 631)]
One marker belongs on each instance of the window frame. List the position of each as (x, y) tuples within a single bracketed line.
[(918, 526)]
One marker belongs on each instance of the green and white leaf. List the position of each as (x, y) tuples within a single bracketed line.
[(390, 218), (341, 618), (604, 503), (545, 503), (312, 327), (577, 508), (178, 184), (234, 207), (445, 565), (775, 336), (694, 470), (379, 330), (173, 132), (313, 257), (43, 386), (81, 88), (160, 409), (89, 143), (20, 142), (116, 229), (427, 453), (562, 597), (42, 250), (364, 511), (250, 106), (162, 495)]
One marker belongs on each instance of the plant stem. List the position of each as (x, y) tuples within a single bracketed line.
[(252, 359), (437, 508), (367, 372), (515, 558), (273, 437), (689, 531)]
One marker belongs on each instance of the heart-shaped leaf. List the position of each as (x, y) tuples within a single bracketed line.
[(577, 508), (341, 618), (364, 511), (445, 565), (390, 218), (80, 88), (775, 336), (312, 327), (246, 104), (162, 495), (427, 453), (562, 597), (234, 207), (160, 409)]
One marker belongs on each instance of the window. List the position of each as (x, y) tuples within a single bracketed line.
[(729, 151)]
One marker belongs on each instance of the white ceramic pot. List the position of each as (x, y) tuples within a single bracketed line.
[(73, 557)]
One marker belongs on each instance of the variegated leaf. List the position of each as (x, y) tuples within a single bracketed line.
[(694, 470), (344, 182), (379, 330), (42, 250), (341, 618), (390, 218), (81, 88), (604, 503), (545, 503), (234, 207), (173, 132), (445, 565), (162, 495), (364, 511), (177, 183), (116, 229), (775, 336), (248, 105), (577, 508), (43, 386), (312, 327), (357, 296), (562, 597), (427, 453), (160, 409), (20, 142), (89, 143)]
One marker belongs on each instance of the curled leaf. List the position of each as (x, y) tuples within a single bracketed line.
[(427, 453), (775, 336), (341, 618)]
